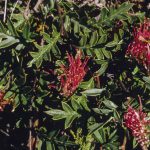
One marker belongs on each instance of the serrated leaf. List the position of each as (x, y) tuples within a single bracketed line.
[(46, 37), (39, 56)]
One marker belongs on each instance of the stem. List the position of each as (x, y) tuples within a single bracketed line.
[(98, 81), (27, 10), (148, 68), (37, 5), (14, 8), (124, 142), (62, 28), (144, 148), (5, 133), (101, 148), (30, 135), (5, 11)]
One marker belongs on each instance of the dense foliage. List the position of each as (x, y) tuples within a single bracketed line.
[(74, 75)]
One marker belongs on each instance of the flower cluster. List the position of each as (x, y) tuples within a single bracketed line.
[(72, 75), (139, 48), (137, 122)]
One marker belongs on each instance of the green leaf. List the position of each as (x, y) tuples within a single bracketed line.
[(52, 4), (7, 41), (111, 44), (94, 38), (93, 92), (56, 113), (75, 104), (26, 30), (69, 121), (50, 146), (66, 107), (106, 53), (110, 104), (12, 28), (83, 40), (43, 50), (46, 37), (104, 13), (103, 68), (99, 54), (83, 102), (2, 28), (39, 144), (67, 23), (68, 114), (98, 126), (147, 80), (87, 85)]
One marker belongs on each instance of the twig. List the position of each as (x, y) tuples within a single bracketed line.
[(27, 10), (30, 134), (123, 87), (140, 101), (5, 133), (14, 8), (123, 147), (62, 28), (5, 11), (36, 7)]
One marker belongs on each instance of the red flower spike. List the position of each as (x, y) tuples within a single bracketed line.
[(72, 75), (137, 122), (139, 48)]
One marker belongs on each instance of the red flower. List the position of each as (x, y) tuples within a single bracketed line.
[(137, 122), (139, 48), (72, 75), (3, 102), (1, 95)]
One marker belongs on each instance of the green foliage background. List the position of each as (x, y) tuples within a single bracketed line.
[(34, 42)]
